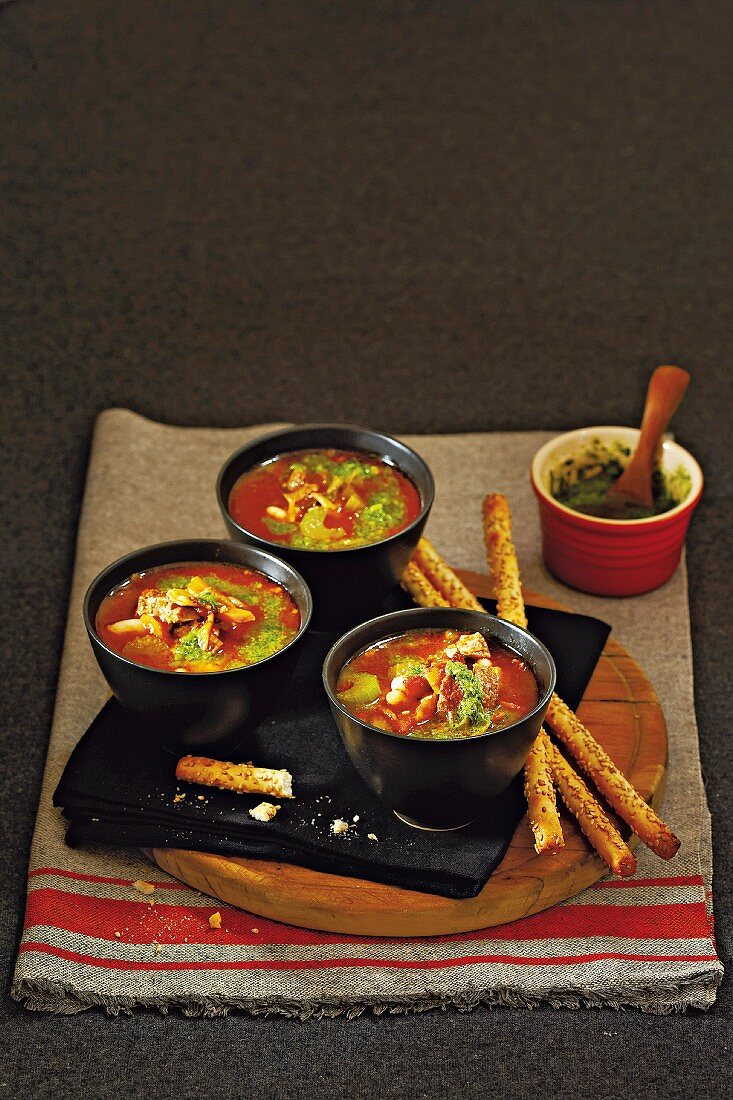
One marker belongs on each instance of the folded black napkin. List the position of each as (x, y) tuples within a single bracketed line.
[(119, 786)]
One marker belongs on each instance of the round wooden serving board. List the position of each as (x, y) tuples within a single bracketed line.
[(624, 714)]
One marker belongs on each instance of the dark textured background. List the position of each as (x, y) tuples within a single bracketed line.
[(423, 216)]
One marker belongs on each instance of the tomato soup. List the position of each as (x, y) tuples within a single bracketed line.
[(437, 684), (197, 617), (324, 500)]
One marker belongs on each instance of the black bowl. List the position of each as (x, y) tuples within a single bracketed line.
[(439, 784), (350, 584), (206, 707)]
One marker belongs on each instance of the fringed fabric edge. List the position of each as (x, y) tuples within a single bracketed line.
[(42, 995)]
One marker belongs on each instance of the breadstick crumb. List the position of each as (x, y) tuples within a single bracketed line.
[(264, 811), (143, 887)]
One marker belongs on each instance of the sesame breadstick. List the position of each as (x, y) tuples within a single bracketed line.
[(419, 587), (612, 784), (241, 778), (601, 833), (539, 790), (615, 787), (442, 577), (502, 559)]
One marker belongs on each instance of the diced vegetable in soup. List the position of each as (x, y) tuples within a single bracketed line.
[(198, 617), (324, 500), (437, 684)]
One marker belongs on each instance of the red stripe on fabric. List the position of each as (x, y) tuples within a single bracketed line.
[(635, 922), (103, 878), (632, 883), (380, 964), (139, 922)]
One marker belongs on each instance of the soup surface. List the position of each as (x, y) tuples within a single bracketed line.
[(324, 500), (582, 481), (198, 617), (437, 684)]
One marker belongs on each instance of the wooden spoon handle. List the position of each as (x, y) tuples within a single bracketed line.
[(666, 388)]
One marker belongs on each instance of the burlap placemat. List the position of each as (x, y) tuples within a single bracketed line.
[(89, 940)]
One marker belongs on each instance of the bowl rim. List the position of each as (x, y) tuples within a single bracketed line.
[(539, 464), (425, 504), (447, 612), (90, 622)]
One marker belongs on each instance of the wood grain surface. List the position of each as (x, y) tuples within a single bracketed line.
[(624, 714)]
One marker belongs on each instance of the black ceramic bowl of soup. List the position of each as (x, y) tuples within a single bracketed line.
[(438, 775), (346, 506), (199, 635)]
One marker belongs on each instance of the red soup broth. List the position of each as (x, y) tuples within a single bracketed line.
[(324, 500), (197, 617), (367, 678)]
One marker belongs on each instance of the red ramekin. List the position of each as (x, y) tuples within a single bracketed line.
[(610, 557)]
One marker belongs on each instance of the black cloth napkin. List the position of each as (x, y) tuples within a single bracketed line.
[(119, 786)]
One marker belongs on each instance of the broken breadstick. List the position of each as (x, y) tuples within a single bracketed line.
[(442, 577), (242, 778), (599, 830), (419, 587), (539, 790), (502, 560), (613, 785)]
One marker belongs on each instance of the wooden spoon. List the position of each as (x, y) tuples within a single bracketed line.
[(666, 389)]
